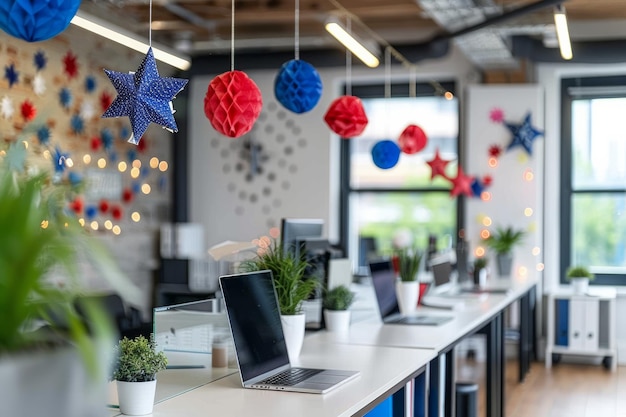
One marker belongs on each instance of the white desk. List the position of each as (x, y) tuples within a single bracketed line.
[(384, 370)]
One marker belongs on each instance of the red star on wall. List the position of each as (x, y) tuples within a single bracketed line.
[(71, 65), (105, 100), (437, 165), (462, 184), (28, 110)]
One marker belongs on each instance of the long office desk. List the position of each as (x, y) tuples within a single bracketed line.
[(383, 371), (482, 314)]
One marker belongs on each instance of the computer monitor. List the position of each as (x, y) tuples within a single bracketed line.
[(294, 231)]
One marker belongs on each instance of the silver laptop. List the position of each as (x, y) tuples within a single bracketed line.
[(383, 281), (254, 318)]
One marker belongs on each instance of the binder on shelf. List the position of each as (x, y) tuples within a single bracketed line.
[(562, 320)]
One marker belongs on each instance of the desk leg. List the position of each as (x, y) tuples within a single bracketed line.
[(494, 331), (434, 383), (420, 395), (399, 397), (526, 345), (450, 379)]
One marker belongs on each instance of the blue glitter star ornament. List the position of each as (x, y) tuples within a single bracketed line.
[(523, 134), (385, 154), (298, 86), (144, 97)]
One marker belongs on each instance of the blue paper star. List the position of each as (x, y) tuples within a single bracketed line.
[(78, 125), (523, 134), (106, 136), (124, 133), (43, 135), (477, 188), (59, 159), (11, 75), (65, 98), (90, 84), (40, 60), (144, 97)]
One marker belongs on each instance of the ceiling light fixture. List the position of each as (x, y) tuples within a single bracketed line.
[(355, 46), (562, 33), (129, 39)]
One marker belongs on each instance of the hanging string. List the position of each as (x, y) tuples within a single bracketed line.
[(412, 81), (150, 26), (348, 61), (297, 40), (232, 35), (387, 73)]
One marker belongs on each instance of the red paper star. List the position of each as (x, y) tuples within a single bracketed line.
[(496, 115), (487, 180), (28, 110), (461, 184), (495, 151), (77, 206), (142, 145), (71, 65), (105, 100), (95, 143), (437, 166)]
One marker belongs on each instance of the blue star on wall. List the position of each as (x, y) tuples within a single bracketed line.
[(78, 124), (523, 134), (58, 159), (90, 84), (144, 97), (43, 135), (106, 136), (11, 75), (65, 97), (40, 60)]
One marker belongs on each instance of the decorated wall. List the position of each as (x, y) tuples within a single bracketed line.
[(52, 98)]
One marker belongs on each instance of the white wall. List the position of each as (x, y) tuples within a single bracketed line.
[(307, 181)]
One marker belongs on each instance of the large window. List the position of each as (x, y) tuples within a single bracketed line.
[(380, 205), (593, 176)]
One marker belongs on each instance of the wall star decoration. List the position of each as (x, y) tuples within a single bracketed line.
[(144, 97), (11, 75), (523, 134)]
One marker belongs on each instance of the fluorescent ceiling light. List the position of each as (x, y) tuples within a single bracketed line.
[(562, 33), (352, 44), (129, 39)]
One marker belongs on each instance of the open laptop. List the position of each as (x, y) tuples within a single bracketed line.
[(383, 280), (254, 318)]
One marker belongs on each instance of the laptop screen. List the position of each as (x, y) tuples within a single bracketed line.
[(441, 273), (255, 322), (383, 279)]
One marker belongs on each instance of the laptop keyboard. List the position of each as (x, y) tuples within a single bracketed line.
[(290, 377)]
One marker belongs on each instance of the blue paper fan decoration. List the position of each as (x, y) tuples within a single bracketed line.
[(11, 74), (385, 154), (40, 60), (65, 97), (43, 135), (298, 86), (90, 84), (35, 21), (78, 125)]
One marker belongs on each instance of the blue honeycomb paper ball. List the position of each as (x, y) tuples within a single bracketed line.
[(298, 86), (35, 21), (385, 154)]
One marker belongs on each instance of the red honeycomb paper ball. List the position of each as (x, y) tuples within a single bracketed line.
[(232, 103), (346, 117), (412, 139)]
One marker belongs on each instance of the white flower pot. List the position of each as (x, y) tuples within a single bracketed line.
[(407, 293), (293, 328), (136, 398), (337, 321), (580, 285)]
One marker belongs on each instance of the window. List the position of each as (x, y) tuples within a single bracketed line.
[(593, 164), (378, 205)]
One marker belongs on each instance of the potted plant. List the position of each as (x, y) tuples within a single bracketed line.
[(579, 276), (336, 303), (407, 261), (136, 365), (292, 288), (502, 241), (480, 271), (43, 338)]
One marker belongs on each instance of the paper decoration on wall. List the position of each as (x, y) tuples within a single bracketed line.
[(28, 110), (232, 103), (95, 143), (127, 195), (90, 212), (90, 84), (298, 86), (39, 85), (385, 154), (144, 97), (87, 109), (40, 60), (65, 98), (116, 212), (523, 134), (496, 115), (6, 107), (77, 124), (70, 63), (105, 102), (35, 21), (495, 151), (106, 138), (461, 184), (58, 160), (16, 156), (437, 166), (11, 75), (43, 135), (103, 206), (142, 145), (75, 178), (412, 139), (346, 116), (77, 205)]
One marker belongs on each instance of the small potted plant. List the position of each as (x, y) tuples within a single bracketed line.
[(292, 288), (480, 271), (579, 276), (135, 369), (502, 241), (336, 303), (407, 261)]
